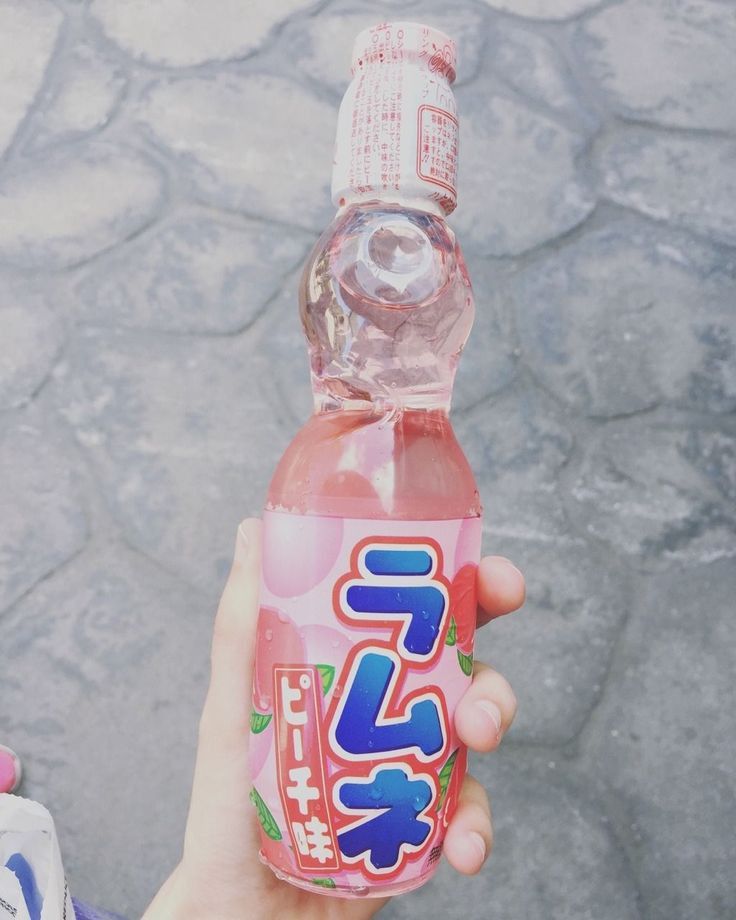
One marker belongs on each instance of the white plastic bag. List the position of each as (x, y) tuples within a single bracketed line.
[(32, 883)]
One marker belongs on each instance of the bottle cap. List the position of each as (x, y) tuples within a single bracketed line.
[(397, 132), (408, 40)]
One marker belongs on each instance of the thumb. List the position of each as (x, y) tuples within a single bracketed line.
[(227, 707), (218, 832)]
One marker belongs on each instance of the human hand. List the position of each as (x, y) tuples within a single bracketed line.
[(220, 876)]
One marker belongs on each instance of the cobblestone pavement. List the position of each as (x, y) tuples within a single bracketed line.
[(164, 170)]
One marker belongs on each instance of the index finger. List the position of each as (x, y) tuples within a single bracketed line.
[(501, 588)]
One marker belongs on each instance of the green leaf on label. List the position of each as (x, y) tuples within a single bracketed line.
[(327, 673), (451, 637), (324, 882), (466, 662), (259, 721), (270, 827), (444, 777)]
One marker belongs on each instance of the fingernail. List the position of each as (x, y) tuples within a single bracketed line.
[(493, 713), (242, 544), (501, 562), (478, 844), (513, 568)]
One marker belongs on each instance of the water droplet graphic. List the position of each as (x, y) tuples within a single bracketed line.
[(283, 618), (268, 633), (418, 803), (375, 793), (425, 614)]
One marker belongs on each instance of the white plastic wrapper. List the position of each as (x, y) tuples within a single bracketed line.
[(32, 883), (397, 131)]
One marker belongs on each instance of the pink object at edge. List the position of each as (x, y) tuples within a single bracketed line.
[(9, 770)]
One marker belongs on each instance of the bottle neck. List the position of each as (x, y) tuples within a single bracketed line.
[(386, 306), (374, 199), (388, 408)]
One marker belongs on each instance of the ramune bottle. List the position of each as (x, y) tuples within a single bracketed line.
[(372, 523)]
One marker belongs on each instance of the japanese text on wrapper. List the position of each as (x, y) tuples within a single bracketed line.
[(437, 146), (301, 767), (386, 742), (376, 127)]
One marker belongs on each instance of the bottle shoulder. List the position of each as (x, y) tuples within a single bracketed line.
[(400, 464)]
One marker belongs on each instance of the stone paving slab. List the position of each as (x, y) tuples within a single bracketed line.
[(688, 181), (666, 300), (109, 668), (62, 208), (533, 161), (556, 854), (164, 168), (663, 741), (204, 123), (29, 34), (663, 61)]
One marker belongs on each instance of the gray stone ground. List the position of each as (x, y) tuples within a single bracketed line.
[(164, 171)]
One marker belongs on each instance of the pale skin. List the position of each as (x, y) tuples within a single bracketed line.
[(220, 876)]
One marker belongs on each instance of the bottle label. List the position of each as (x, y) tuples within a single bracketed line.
[(364, 648), (397, 130)]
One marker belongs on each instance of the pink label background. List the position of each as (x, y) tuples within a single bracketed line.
[(303, 557)]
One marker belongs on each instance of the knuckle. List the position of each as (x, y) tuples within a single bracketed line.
[(503, 693), (474, 792), (490, 840), (480, 668)]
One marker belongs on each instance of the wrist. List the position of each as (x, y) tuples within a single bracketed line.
[(169, 903)]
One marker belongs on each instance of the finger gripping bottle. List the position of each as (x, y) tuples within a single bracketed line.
[(372, 524)]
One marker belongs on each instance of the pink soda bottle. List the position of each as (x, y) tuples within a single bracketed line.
[(372, 523)]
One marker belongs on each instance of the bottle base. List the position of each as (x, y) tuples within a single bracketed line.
[(337, 891)]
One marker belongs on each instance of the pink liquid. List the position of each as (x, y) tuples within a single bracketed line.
[(386, 306)]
